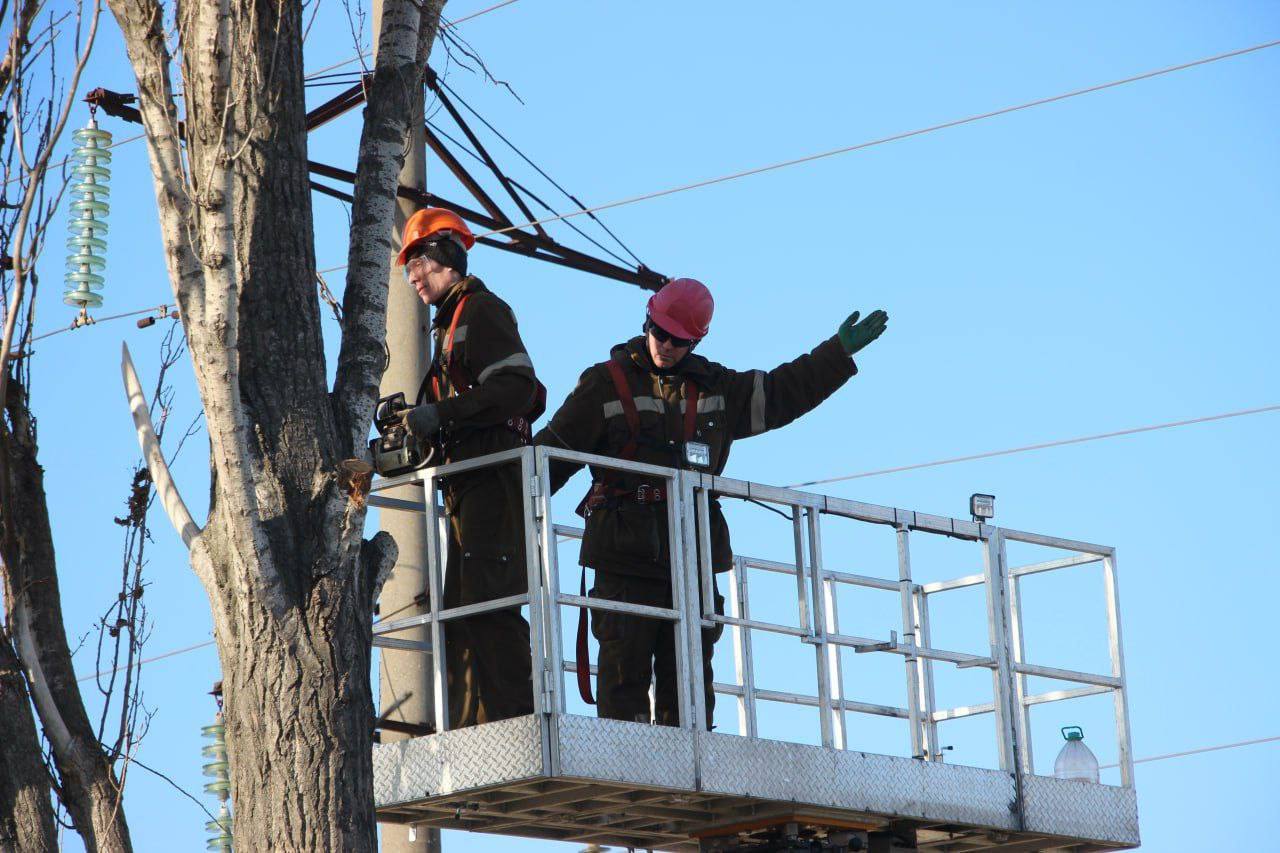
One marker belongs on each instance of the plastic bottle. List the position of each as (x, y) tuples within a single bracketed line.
[(1075, 761)]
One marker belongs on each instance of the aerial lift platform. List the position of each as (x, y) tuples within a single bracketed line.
[(569, 777)]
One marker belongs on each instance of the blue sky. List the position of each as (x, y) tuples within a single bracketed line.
[(1091, 265)]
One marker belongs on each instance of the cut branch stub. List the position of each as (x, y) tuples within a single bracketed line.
[(174, 506)]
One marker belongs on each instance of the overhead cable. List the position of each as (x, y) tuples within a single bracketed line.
[(155, 309), (1197, 751), (170, 654), (884, 140), (1029, 447), (61, 163), (539, 170), (364, 54)]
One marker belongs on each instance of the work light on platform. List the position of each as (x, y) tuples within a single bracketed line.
[(982, 507)]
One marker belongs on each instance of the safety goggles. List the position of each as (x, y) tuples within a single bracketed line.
[(665, 337), (414, 265)]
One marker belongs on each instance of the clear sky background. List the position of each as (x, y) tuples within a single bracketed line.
[(1092, 265)]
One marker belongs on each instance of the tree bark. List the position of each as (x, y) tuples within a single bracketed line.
[(89, 788), (26, 804), (291, 583)]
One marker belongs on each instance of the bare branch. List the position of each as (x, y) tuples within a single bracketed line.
[(167, 489)]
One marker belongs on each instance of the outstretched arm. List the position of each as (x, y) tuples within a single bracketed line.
[(764, 400)]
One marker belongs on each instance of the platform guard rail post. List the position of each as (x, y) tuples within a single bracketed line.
[(689, 539)]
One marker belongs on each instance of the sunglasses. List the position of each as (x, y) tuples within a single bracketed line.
[(664, 337)]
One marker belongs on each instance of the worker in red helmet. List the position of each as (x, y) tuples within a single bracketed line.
[(480, 396), (655, 401)]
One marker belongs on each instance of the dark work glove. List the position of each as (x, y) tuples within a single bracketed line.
[(423, 421), (855, 335)]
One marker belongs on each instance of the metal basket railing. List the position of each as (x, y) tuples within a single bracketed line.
[(818, 618)]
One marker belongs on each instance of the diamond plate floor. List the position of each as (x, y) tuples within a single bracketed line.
[(620, 784)]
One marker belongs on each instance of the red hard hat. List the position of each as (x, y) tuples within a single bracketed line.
[(683, 308), (430, 222)]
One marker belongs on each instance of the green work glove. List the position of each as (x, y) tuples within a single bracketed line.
[(855, 335)]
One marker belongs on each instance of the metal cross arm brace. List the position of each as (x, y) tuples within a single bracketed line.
[(530, 245), (117, 105), (339, 104), (537, 245)]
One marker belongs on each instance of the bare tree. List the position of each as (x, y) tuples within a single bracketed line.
[(35, 661), (291, 582)]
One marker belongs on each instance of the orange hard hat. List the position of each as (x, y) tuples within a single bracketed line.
[(683, 308), (433, 222)]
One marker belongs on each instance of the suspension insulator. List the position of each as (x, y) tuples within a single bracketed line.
[(87, 245), (219, 773), (219, 830)]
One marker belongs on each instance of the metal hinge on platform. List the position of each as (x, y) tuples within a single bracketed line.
[(535, 491)]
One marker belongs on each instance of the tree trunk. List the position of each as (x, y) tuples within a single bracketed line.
[(26, 805), (90, 790), (291, 583)]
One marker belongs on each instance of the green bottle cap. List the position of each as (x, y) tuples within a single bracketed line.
[(1073, 733)]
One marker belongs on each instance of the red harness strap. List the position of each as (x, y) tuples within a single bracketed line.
[(629, 411), (628, 452), (446, 355), (690, 410)]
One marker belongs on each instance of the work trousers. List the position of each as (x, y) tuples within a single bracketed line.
[(636, 651), (487, 656)]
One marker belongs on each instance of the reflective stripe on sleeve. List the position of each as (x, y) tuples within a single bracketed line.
[(519, 359), (757, 405)]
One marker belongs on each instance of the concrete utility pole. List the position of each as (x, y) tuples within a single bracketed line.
[(405, 693)]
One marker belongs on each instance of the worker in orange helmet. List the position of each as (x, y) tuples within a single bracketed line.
[(479, 396), (657, 402)]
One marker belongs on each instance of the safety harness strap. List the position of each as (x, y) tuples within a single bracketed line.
[(628, 452), (628, 401), (690, 410), (446, 355), (583, 652)]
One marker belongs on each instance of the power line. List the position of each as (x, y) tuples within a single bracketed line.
[(1197, 751), (539, 170), (61, 163), (1029, 447), (484, 11), (169, 654), (887, 139), (586, 211), (157, 309), (447, 25)]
